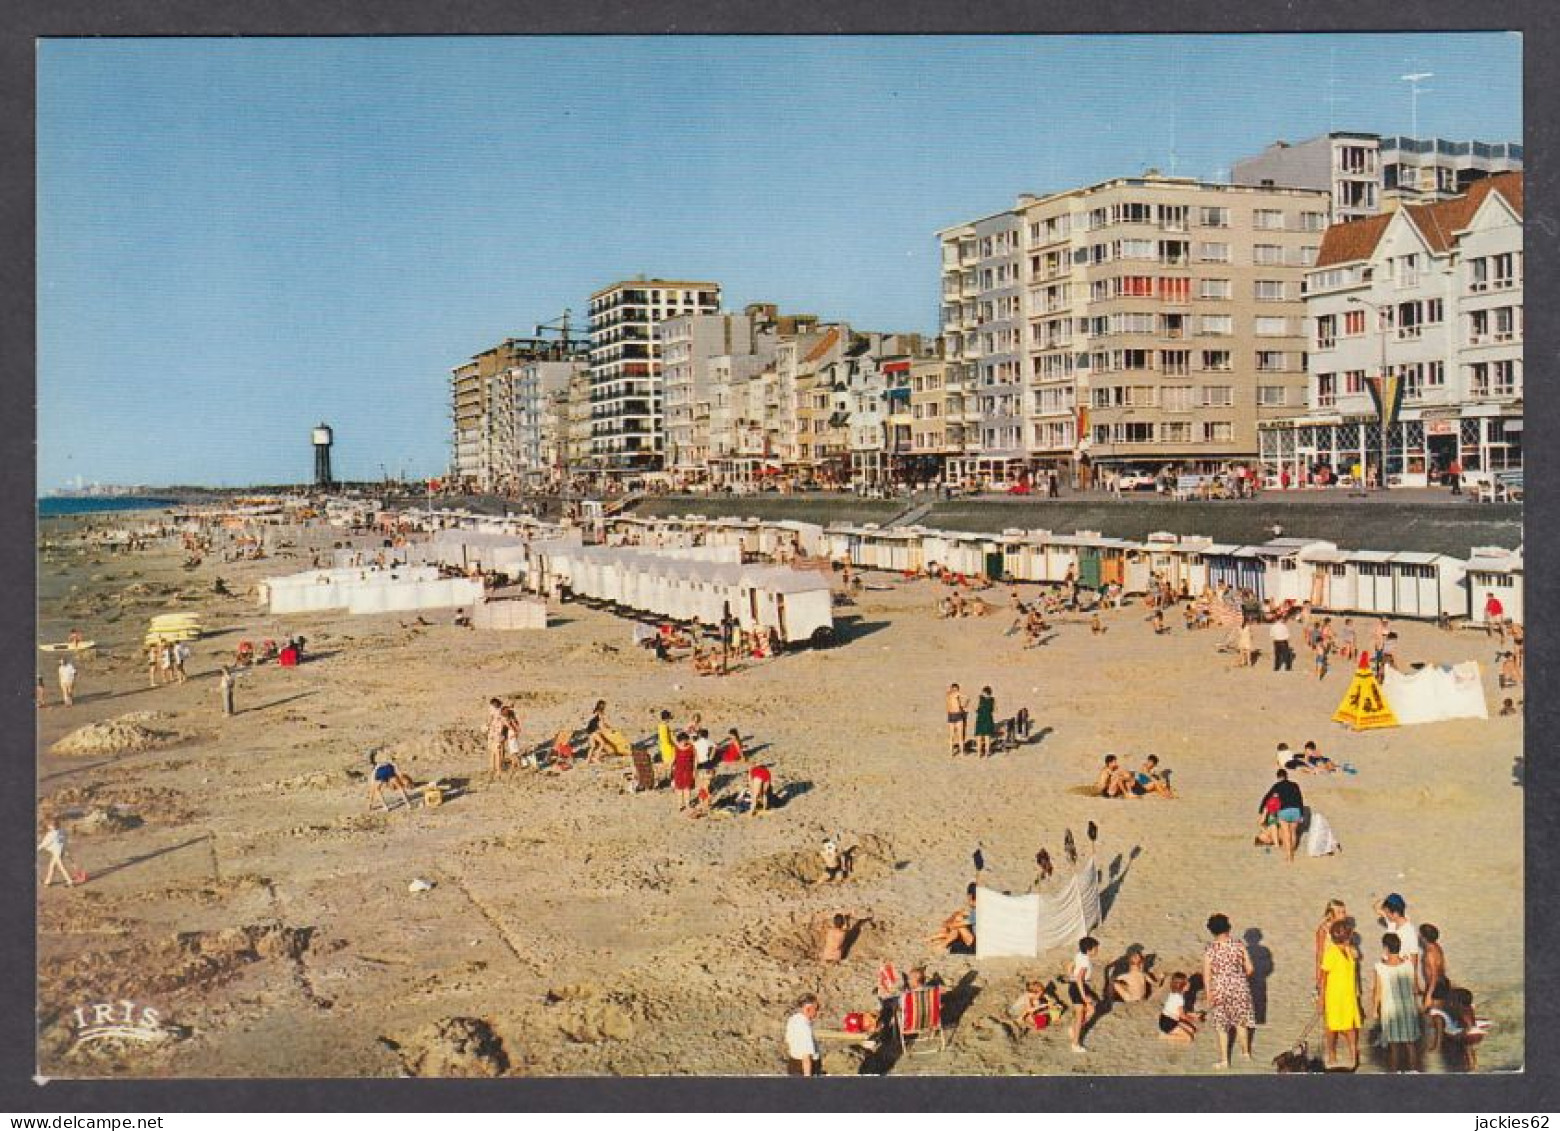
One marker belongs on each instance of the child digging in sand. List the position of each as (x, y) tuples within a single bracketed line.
[(1176, 1022)]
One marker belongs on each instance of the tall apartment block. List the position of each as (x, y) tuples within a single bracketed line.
[(627, 433), (982, 328), (496, 407), (1431, 295), (1367, 173)]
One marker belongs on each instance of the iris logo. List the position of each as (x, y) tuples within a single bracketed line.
[(121, 1020)]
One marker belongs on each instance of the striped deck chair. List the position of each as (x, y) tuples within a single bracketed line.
[(920, 1014), (644, 772)]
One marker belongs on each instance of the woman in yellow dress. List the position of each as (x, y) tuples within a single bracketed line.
[(1340, 994)]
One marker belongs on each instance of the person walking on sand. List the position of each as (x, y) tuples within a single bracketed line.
[(1283, 650), (1085, 1001), (53, 843), (67, 681), (1340, 994), (181, 655), (958, 717), (985, 722), (1227, 972), (1244, 644), (40, 696), (225, 687)]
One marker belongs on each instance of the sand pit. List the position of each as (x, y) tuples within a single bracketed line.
[(126, 734)]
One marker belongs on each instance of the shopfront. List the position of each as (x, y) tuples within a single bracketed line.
[(1418, 452)]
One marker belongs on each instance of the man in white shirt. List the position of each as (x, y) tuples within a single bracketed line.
[(801, 1047), (1283, 653), (1393, 910)]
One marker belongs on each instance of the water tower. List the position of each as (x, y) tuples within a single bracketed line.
[(322, 443)]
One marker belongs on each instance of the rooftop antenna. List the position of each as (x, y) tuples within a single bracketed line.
[(1415, 90)]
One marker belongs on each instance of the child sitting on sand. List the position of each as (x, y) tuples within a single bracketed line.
[(1096, 626), (1037, 1007), (1176, 1022), (1135, 983), (1507, 708)]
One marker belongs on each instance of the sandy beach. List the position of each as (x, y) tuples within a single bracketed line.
[(241, 886)]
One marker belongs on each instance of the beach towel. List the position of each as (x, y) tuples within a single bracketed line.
[(1319, 838), (1436, 693), (644, 773)]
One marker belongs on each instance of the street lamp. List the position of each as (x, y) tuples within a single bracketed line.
[(1381, 394)]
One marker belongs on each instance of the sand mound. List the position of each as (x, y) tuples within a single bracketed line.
[(111, 820), (455, 1046), (188, 962), (451, 745), (140, 730), (872, 855), (135, 804)]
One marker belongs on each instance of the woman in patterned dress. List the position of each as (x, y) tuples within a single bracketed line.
[(1396, 1006), (1227, 972)]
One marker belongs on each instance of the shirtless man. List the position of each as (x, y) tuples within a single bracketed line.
[(1113, 780), (958, 718), (1134, 983), (836, 937)]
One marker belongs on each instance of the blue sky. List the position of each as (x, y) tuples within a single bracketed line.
[(240, 238)]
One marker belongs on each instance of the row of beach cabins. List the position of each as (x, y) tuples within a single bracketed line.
[(1380, 582), (684, 584)]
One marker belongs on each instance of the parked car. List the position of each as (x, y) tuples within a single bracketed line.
[(1138, 481)]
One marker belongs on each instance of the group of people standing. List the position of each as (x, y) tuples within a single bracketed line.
[(1410, 993)]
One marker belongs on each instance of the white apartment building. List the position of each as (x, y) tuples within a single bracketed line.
[(1366, 173), (1431, 296), (625, 367)]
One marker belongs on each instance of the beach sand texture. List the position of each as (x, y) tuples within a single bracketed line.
[(240, 886)]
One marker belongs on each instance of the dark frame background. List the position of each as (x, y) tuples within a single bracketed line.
[(1534, 1090)]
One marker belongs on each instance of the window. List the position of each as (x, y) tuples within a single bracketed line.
[(1135, 432), (1213, 217), (1218, 432), (1267, 255), (1354, 381), (1503, 271), (1435, 374), (1505, 379), (1313, 221), (1432, 311), (1272, 396), (1272, 361), (1408, 270), (1478, 274), (1215, 324), (1175, 290), (1272, 327), (1505, 323), (1135, 286), (1176, 398), (1218, 396), (1268, 220), (1176, 432), (1132, 213), (1135, 249), (1217, 361), (1172, 217), (1213, 252), (1214, 288), (1353, 323), (1326, 331), (1270, 290), (1326, 390)]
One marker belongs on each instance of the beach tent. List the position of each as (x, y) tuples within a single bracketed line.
[(1025, 926), (1437, 692)]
